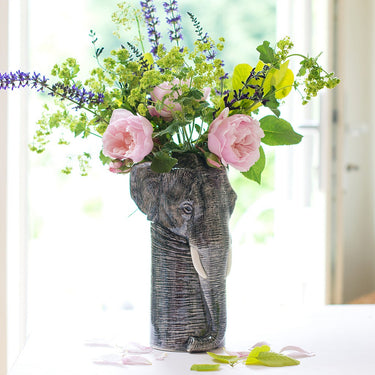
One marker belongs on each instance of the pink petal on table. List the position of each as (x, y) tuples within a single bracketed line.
[(109, 359), (161, 357), (260, 343), (296, 352), (99, 342), (135, 360), (242, 354), (134, 347)]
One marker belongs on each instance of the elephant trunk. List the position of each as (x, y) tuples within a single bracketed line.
[(211, 262), (177, 306)]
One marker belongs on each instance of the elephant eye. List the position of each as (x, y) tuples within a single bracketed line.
[(187, 208)]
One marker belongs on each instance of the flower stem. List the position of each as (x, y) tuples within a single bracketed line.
[(139, 33), (96, 135)]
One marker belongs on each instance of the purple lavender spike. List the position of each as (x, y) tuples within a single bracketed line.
[(18, 79), (174, 19), (148, 10)]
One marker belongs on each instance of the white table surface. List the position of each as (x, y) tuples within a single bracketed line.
[(342, 336)]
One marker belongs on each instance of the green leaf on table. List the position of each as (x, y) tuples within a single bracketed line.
[(255, 172), (252, 358), (205, 367), (278, 132), (230, 359), (162, 162), (263, 356), (272, 359)]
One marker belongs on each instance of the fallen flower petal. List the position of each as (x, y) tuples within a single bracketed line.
[(161, 357), (109, 359), (296, 352), (242, 354), (134, 347), (259, 344), (99, 342), (135, 360)]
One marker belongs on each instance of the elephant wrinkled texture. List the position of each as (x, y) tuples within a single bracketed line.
[(189, 209)]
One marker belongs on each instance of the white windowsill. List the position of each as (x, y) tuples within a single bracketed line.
[(342, 337)]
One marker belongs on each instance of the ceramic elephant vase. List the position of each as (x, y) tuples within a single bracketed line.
[(189, 209)]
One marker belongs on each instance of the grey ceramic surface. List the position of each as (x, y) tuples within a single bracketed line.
[(189, 209)]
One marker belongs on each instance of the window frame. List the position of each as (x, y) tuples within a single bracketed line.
[(13, 185), (296, 20), (3, 190), (22, 176)]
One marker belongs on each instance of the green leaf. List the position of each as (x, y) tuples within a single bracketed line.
[(263, 356), (171, 147), (231, 359), (162, 162), (196, 94), (252, 358), (240, 74), (271, 102), (278, 132), (255, 172), (172, 128), (267, 54), (275, 111), (104, 159), (80, 128), (301, 72), (272, 359), (205, 367)]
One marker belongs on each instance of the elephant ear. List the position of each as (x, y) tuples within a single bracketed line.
[(144, 189)]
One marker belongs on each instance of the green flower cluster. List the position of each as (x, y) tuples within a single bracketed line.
[(315, 78)]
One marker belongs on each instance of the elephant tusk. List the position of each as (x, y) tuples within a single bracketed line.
[(229, 261), (197, 262)]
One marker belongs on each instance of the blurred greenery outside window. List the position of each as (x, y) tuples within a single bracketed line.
[(87, 230), (244, 24)]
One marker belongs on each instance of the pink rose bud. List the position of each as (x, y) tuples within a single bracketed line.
[(213, 160), (118, 166), (235, 140), (170, 106), (127, 136), (158, 94), (115, 166)]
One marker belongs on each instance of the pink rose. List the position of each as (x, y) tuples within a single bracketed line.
[(235, 140), (127, 136), (170, 106)]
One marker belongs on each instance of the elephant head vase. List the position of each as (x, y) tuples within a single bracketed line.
[(189, 209)]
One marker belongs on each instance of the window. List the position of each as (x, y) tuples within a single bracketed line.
[(95, 263), (88, 246)]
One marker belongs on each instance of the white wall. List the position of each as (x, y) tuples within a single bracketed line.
[(356, 111)]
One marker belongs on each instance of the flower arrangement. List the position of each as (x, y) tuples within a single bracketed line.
[(155, 104)]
